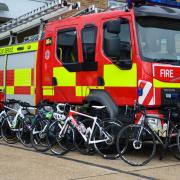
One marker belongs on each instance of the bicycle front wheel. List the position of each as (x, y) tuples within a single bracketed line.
[(24, 131), (8, 134), (136, 145), (59, 143), (38, 135), (174, 141), (107, 148)]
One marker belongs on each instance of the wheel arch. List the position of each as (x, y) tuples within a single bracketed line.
[(101, 97)]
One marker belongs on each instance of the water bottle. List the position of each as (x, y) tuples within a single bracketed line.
[(164, 130), (82, 128)]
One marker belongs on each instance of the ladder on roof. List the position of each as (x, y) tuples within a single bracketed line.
[(90, 10), (34, 18)]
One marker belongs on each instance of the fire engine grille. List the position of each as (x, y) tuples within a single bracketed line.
[(170, 97)]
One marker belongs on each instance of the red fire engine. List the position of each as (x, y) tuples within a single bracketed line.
[(113, 58)]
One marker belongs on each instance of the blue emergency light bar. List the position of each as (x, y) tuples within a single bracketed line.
[(171, 3)]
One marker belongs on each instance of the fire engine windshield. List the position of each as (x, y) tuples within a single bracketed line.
[(159, 39)]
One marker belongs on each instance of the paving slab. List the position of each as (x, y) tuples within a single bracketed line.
[(18, 162)]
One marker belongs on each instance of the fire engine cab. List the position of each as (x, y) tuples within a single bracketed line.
[(113, 58)]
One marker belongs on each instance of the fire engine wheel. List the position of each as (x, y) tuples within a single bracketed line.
[(102, 98), (110, 130)]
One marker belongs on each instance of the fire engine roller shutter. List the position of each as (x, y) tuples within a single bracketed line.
[(20, 82), (2, 67)]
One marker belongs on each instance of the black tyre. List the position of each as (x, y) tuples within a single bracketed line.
[(79, 142), (24, 131), (0, 130), (38, 135), (60, 144), (174, 142), (107, 149), (136, 145), (8, 134)]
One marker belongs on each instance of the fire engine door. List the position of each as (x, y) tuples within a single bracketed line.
[(2, 75)]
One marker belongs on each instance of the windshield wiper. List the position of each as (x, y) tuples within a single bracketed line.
[(169, 61)]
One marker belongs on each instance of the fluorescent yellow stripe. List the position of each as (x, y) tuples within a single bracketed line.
[(64, 77), (10, 90), (48, 90), (160, 84), (85, 90), (22, 77), (116, 77), (32, 90), (19, 48)]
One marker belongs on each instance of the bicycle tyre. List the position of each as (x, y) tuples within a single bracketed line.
[(130, 149), (174, 140), (58, 145), (107, 149), (8, 134), (38, 137), (24, 132), (79, 142)]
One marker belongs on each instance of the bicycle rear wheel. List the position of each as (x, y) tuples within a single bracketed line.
[(38, 135), (58, 143), (79, 142), (136, 145), (174, 142), (24, 131), (107, 149), (8, 134)]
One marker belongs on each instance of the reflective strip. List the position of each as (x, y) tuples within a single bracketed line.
[(85, 90), (19, 48), (64, 77), (116, 77), (32, 90), (22, 77), (160, 84), (10, 90), (147, 96), (48, 91)]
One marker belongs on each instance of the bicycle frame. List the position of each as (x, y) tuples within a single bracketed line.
[(18, 113), (90, 130), (145, 116)]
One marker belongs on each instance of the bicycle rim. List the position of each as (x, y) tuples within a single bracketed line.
[(134, 149), (7, 133), (79, 142), (24, 132), (58, 144), (38, 136), (107, 149), (174, 142)]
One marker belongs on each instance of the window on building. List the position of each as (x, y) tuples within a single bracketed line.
[(89, 35), (67, 50)]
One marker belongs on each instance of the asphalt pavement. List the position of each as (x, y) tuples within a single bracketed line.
[(20, 163)]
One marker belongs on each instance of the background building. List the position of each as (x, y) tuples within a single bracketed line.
[(9, 11)]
